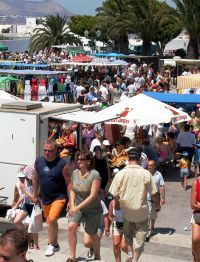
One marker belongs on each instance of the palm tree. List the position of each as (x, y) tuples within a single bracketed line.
[(111, 19), (188, 11), (147, 18), (53, 31)]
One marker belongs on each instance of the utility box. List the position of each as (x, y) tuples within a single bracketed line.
[(23, 130)]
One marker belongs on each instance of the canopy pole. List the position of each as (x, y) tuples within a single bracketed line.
[(79, 136)]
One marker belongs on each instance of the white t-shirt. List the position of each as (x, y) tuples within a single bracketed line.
[(104, 91), (95, 142), (130, 131), (158, 180), (131, 89), (78, 90)]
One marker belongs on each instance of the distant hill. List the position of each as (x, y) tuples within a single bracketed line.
[(35, 8)]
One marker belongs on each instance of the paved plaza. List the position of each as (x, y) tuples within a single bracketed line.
[(172, 242)]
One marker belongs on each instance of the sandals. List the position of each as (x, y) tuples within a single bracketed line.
[(70, 260)]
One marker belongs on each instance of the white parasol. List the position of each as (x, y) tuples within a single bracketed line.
[(144, 110)]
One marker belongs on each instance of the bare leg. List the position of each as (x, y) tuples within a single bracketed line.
[(19, 218), (87, 241), (35, 239), (185, 182), (152, 224), (182, 182), (96, 246), (53, 232), (72, 239), (136, 255), (117, 247)]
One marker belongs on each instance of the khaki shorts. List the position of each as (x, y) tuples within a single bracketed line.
[(135, 234), (91, 220), (152, 210), (53, 211)]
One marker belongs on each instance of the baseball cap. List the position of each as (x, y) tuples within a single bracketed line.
[(20, 175), (133, 152), (106, 143), (184, 153), (28, 171)]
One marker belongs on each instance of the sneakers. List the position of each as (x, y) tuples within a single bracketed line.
[(51, 250), (90, 253)]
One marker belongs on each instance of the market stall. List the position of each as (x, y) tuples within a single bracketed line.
[(187, 83)]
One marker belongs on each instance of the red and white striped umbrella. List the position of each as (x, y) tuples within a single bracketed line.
[(82, 59)]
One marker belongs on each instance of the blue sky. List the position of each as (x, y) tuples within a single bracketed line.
[(84, 7)]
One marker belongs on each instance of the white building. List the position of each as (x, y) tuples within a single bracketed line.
[(30, 24)]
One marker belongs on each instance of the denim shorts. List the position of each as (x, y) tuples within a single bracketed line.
[(184, 172)]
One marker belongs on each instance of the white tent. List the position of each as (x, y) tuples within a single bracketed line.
[(6, 97), (144, 110), (86, 117)]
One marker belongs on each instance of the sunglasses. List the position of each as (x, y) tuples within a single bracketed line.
[(81, 159), (48, 150), (7, 258)]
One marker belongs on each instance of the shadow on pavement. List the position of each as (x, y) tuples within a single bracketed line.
[(164, 230)]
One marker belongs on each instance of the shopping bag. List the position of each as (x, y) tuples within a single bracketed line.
[(11, 214), (36, 220)]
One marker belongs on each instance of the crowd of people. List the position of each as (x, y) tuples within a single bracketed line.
[(104, 85), (115, 182), (108, 186)]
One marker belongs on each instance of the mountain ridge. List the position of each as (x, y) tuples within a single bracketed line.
[(31, 8)]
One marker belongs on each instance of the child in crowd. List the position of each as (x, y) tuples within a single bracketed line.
[(184, 168), (115, 216)]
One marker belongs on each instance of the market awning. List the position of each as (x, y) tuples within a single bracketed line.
[(108, 54), (81, 59), (23, 64), (3, 47), (31, 72), (190, 81), (86, 117), (174, 98), (5, 79)]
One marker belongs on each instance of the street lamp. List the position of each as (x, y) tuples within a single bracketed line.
[(98, 34)]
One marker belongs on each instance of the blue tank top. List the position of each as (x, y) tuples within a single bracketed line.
[(51, 180)]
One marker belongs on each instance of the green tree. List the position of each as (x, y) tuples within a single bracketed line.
[(168, 31), (147, 18), (188, 11), (78, 24), (112, 21), (53, 31)]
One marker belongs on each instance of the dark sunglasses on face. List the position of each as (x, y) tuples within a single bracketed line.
[(6, 258), (48, 150), (81, 159)]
